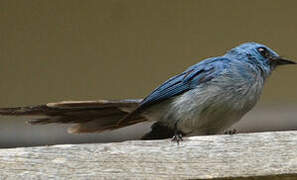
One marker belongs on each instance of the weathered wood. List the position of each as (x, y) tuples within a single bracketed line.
[(270, 155)]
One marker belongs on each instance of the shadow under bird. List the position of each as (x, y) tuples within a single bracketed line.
[(207, 98)]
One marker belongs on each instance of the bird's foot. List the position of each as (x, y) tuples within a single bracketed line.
[(177, 138), (231, 132)]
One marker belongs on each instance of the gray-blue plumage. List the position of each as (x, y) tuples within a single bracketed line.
[(213, 94), (197, 74), (203, 72)]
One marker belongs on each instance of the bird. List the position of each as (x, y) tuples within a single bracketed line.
[(205, 99)]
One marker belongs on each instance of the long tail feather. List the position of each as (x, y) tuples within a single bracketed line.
[(88, 116)]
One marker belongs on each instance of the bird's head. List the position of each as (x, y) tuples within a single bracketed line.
[(259, 55)]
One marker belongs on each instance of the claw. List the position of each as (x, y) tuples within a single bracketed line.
[(177, 138), (231, 132)]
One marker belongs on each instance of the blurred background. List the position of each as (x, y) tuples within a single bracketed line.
[(113, 49)]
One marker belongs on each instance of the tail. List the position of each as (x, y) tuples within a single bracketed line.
[(87, 116)]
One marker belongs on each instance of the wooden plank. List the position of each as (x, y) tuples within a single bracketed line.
[(270, 155)]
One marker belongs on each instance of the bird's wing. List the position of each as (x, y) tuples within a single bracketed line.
[(189, 79), (89, 116)]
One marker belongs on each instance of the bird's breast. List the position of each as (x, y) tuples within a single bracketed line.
[(211, 107)]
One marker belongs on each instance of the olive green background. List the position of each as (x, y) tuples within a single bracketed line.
[(84, 50)]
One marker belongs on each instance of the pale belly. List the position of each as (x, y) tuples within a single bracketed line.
[(201, 112)]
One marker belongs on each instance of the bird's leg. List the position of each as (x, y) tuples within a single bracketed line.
[(177, 135), (231, 132)]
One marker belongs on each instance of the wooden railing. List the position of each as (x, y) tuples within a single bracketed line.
[(269, 155)]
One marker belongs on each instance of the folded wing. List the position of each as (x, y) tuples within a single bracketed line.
[(189, 79)]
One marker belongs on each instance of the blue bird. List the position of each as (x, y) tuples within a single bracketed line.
[(207, 98)]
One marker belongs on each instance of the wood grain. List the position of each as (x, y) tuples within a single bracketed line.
[(270, 155)]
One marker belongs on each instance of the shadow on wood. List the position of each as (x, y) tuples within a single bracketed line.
[(270, 155)]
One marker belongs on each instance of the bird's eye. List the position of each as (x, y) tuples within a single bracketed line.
[(264, 52)]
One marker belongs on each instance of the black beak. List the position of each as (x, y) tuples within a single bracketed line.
[(281, 61)]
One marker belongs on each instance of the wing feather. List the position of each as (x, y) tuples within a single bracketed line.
[(195, 75)]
